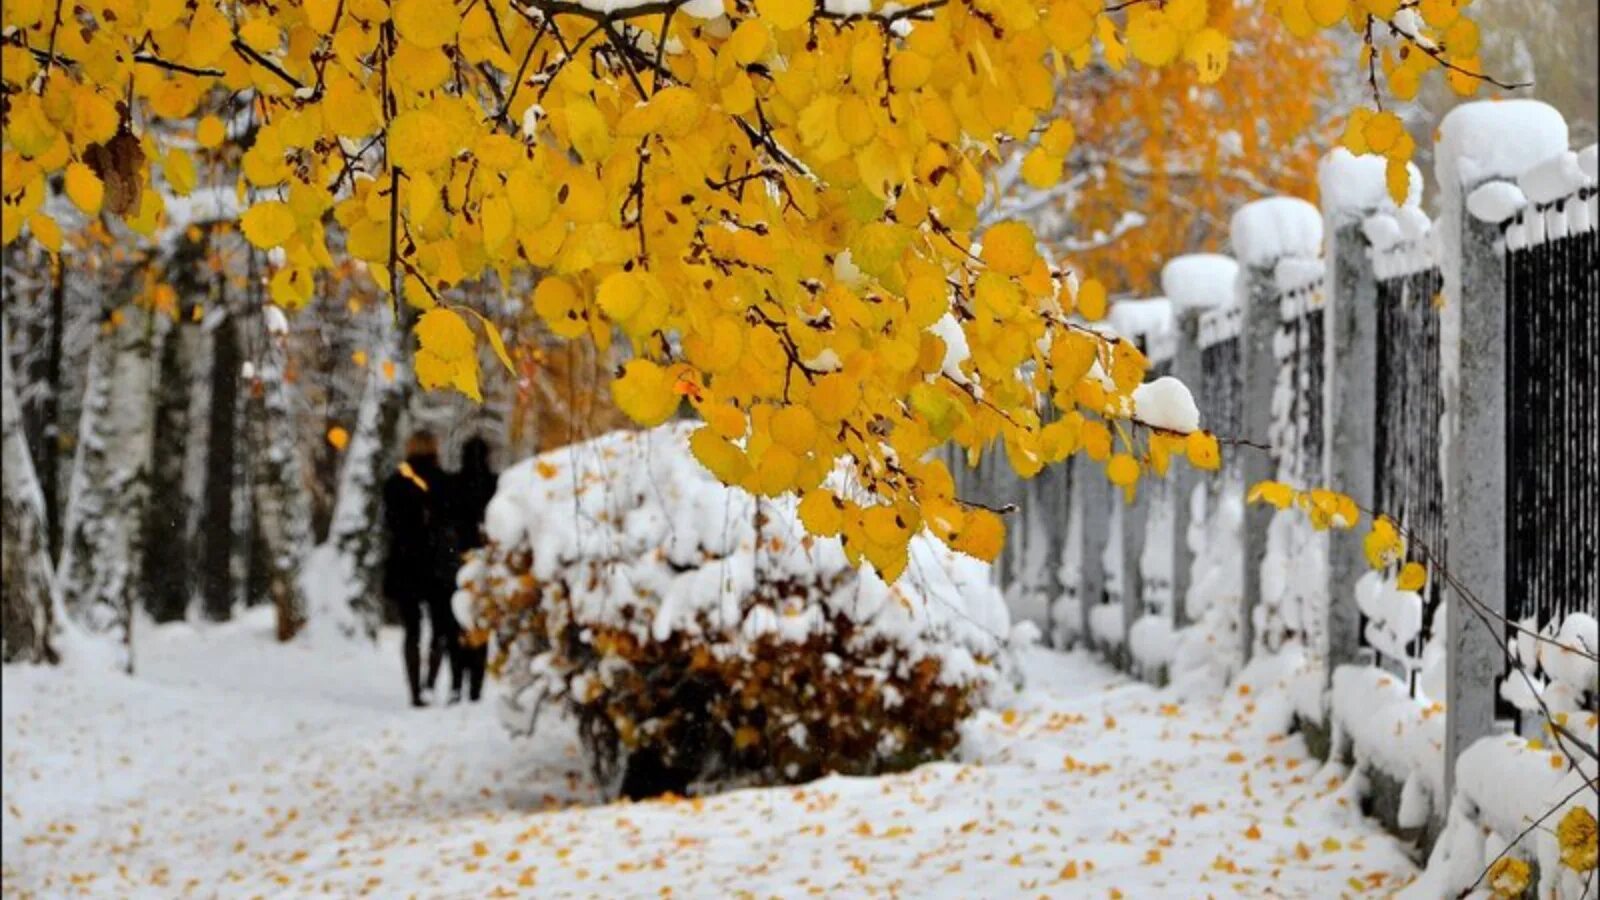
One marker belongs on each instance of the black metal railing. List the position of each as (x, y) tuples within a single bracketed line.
[(1552, 401)]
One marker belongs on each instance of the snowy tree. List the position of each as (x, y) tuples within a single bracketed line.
[(344, 578), (167, 563), (28, 610), (104, 534)]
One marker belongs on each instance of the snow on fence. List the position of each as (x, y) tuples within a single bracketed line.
[(1441, 372), (1278, 242)]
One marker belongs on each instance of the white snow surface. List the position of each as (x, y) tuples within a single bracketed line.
[(1166, 403), (1351, 186), (1199, 280), (1496, 201), (1495, 139), (1141, 318), (234, 766), (1264, 231), (1552, 179)]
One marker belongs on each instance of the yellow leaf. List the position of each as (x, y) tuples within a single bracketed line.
[(338, 437), (418, 141), (558, 304), (444, 333), (1274, 492), (981, 535), (1123, 470), (45, 231), (427, 23), (1576, 836), (1383, 544), (496, 342), (210, 132), (320, 14), (1327, 13), (1508, 877), (794, 427), (1091, 300), (1058, 138), (1397, 178), (1201, 448), (1207, 49), (85, 188), (821, 513), (268, 224), (179, 168), (1151, 38), (1008, 248), (784, 14), (1355, 137), (1381, 131), (1412, 577), (720, 457), (644, 392)]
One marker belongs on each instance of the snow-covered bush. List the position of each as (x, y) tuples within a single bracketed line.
[(698, 634)]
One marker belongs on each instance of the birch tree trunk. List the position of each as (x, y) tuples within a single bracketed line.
[(345, 578), (104, 534), (282, 507), (28, 610)]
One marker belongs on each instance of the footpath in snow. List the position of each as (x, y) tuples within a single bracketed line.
[(233, 766)]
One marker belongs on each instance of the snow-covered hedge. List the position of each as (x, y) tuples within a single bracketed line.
[(697, 634)]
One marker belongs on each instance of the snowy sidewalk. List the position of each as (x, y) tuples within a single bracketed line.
[(235, 767)]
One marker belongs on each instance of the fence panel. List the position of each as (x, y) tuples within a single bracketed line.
[(1552, 396)]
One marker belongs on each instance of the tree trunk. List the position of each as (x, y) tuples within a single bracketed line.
[(217, 517), (283, 512), (27, 613), (104, 538), (165, 565), (345, 581)]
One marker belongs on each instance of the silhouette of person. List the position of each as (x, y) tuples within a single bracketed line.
[(471, 490), (419, 572)]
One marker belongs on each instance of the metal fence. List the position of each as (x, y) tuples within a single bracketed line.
[(1552, 298), (1409, 394)]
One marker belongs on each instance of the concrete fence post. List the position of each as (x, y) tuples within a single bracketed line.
[(1259, 299), (1092, 493), (1475, 506), (1135, 514), (1184, 478), (1351, 435), (1473, 348)]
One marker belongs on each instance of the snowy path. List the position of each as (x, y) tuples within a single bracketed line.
[(235, 767)]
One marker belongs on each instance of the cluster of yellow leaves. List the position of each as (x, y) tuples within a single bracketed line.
[(1326, 509), (1384, 545), (1509, 877), (774, 204), (1578, 839), (1433, 35)]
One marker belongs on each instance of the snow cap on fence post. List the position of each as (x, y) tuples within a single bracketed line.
[(1352, 188), (1194, 283), (1264, 234), (1478, 142)]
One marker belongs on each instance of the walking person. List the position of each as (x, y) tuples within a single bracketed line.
[(412, 576), (471, 490)]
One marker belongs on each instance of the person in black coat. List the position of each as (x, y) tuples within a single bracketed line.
[(471, 490), (419, 571)]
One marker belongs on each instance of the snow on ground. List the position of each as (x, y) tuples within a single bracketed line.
[(232, 766)]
